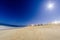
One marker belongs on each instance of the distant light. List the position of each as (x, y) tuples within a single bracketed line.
[(32, 24), (56, 22)]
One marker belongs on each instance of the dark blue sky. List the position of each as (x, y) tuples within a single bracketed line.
[(18, 12)]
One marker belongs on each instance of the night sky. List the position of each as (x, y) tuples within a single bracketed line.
[(19, 12)]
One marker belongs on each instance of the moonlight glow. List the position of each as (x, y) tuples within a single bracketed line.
[(50, 6)]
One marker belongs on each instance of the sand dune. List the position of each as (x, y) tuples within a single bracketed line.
[(45, 32)]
